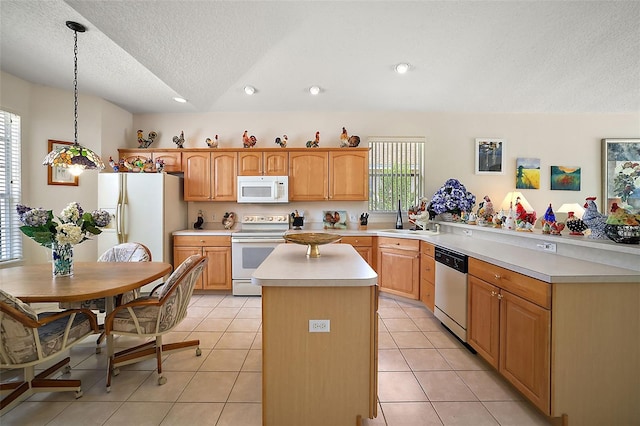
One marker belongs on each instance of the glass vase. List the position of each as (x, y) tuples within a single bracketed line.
[(62, 259)]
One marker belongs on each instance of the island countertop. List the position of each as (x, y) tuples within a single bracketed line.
[(339, 265)]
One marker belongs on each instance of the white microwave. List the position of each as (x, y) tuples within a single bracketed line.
[(263, 189)]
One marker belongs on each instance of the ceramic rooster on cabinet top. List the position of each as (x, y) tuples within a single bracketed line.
[(212, 143), (595, 220), (144, 143), (315, 143), (179, 140), (248, 141)]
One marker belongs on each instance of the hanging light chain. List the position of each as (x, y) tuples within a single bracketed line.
[(75, 87)]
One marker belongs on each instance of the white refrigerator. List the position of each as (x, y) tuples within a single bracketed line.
[(145, 208)]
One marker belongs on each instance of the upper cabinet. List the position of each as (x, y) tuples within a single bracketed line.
[(210, 176), (308, 175), (253, 162), (348, 175)]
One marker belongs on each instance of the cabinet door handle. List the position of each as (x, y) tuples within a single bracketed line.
[(493, 293), (497, 276), (499, 296)]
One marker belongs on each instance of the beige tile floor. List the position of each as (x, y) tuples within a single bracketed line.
[(426, 377)]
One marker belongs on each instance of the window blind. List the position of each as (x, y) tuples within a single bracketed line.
[(10, 187), (396, 172)]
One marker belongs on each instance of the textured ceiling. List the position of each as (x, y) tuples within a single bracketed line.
[(465, 56)]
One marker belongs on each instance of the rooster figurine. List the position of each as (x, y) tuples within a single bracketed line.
[(523, 216), (248, 141), (144, 143), (595, 220), (575, 224), (344, 138), (179, 140), (315, 143), (212, 143), (282, 142)]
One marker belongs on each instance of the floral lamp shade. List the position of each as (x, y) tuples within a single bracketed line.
[(75, 157)]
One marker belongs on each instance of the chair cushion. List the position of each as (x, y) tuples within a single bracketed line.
[(147, 317), (19, 343), (126, 252), (18, 304), (177, 274)]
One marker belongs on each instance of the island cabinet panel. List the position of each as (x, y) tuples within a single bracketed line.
[(210, 176), (512, 333), (217, 249), (319, 379), (427, 275), (399, 266), (308, 176), (263, 163), (348, 175), (363, 245)]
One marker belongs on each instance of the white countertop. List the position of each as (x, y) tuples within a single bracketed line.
[(339, 265)]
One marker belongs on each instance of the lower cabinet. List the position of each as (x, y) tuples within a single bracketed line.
[(427, 275), (399, 266), (363, 245), (510, 327), (217, 249)]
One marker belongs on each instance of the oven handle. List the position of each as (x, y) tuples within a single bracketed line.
[(257, 240)]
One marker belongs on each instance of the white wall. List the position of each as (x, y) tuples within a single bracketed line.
[(556, 139), (47, 113)]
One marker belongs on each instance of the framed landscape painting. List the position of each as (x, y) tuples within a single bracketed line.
[(565, 178), (620, 174), (489, 156), (528, 173)]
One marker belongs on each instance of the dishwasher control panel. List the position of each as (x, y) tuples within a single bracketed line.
[(452, 259)]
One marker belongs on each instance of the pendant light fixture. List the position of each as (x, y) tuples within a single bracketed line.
[(74, 157)]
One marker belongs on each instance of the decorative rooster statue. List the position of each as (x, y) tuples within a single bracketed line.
[(212, 143), (179, 140), (282, 142), (595, 220), (344, 138), (315, 143), (144, 143), (522, 215), (248, 141)]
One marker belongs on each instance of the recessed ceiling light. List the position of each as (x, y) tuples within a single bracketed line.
[(402, 68), (180, 100), (314, 90), (249, 90)]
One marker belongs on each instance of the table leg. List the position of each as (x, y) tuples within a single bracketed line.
[(109, 306)]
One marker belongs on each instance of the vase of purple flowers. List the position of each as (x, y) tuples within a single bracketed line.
[(451, 200)]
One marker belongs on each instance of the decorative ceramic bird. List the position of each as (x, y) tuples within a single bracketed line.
[(199, 221), (179, 140), (620, 216), (144, 143), (575, 224), (113, 165), (212, 143), (344, 138), (228, 220), (595, 220), (248, 141), (315, 143), (282, 142), (354, 141), (522, 215)]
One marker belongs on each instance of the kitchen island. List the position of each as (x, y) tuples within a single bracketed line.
[(319, 336)]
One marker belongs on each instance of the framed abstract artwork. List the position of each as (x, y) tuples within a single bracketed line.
[(620, 174), (565, 178), (528, 173), (489, 155), (60, 175)]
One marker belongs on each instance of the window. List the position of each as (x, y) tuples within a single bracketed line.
[(10, 236), (396, 172)]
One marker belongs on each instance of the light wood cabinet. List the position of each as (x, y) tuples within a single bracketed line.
[(512, 332), (348, 175), (172, 158), (210, 176), (399, 266), (427, 275), (263, 163), (308, 175), (363, 245), (217, 249)]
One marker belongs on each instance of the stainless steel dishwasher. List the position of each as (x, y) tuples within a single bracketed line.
[(451, 290)]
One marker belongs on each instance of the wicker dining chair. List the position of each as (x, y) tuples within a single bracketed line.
[(125, 252), (154, 316), (28, 339)]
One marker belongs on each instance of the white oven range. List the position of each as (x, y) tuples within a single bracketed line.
[(250, 246)]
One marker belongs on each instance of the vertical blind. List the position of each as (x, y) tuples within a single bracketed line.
[(10, 236), (396, 172)]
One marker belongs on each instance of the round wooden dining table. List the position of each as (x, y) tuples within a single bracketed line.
[(90, 280)]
